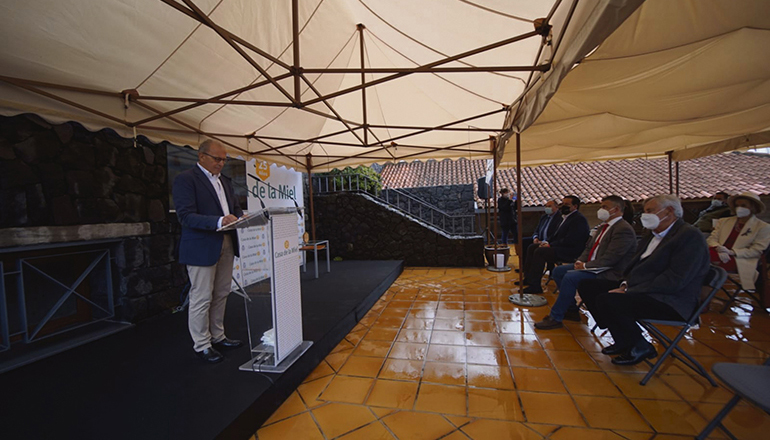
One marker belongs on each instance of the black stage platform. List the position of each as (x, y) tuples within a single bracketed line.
[(146, 382)]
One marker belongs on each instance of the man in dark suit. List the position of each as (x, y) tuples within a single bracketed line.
[(662, 281), (565, 245), (507, 212), (611, 247), (546, 227), (205, 202)]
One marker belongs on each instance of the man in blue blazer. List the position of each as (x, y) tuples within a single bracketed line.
[(205, 202), (611, 247), (565, 245), (662, 281), (546, 227)]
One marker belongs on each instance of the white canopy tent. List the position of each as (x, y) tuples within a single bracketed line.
[(439, 75), (438, 80), (687, 77)]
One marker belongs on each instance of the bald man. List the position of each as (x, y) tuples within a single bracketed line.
[(205, 202)]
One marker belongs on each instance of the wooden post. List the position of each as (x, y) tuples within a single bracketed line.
[(670, 173), (309, 165), (493, 148), (295, 46), (677, 178), (361, 28), (519, 222)]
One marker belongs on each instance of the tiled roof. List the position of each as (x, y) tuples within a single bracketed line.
[(634, 179)]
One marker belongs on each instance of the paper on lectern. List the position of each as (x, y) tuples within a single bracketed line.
[(256, 218)]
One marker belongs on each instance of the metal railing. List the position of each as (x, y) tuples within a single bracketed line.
[(403, 202)]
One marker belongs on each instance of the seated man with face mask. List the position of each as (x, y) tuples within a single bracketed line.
[(565, 245), (608, 251), (737, 242), (662, 281), (718, 209)]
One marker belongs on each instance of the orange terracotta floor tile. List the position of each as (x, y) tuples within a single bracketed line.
[(669, 417), (372, 431), (481, 339), (572, 360), (444, 373), (498, 429), (589, 383), (401, 369), (418, 425), (347, 389), (361, 366), (393, 394), (611, 413), (336, 419), (529, 358), (407, 350), (570, 433), (744, 421), (300, 426), (444, 337), (444, 354), (490, 376), (550, 408), (494, 404), (442, 399), (537, 379)]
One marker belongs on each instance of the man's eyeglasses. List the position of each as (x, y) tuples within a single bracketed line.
[(217, 159)]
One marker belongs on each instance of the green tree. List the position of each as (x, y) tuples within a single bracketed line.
[(361, 178)]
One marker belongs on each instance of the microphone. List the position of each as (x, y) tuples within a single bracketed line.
[(246, 187), (299, 211)]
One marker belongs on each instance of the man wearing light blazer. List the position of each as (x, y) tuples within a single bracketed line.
[(737, 242), (205, 202), (609, 249)]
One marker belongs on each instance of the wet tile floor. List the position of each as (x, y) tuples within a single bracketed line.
[(444, 355)]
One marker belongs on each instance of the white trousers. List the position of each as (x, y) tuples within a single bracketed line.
[(210, 286)]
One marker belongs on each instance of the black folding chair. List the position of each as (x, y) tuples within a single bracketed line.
[(714, 280), (750, 382), (732, 297)]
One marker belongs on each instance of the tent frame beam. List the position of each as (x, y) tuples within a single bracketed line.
[(471, 69), (227, 37), (298, 74), (427, 67)]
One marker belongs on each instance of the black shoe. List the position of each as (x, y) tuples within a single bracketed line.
[(517, 270), (523, 283), (613, 350), (640, 352), (572, 315), (210, 355), (532, 289), (548, 323), (226, 344)]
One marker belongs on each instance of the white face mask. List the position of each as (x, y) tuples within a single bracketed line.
[(651, 221), (717, 203), (548, 210), (742, 212), (603, 214)]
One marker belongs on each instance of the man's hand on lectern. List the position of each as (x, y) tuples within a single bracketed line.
[(226, 220)]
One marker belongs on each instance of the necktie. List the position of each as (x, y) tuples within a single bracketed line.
[(591, 254)]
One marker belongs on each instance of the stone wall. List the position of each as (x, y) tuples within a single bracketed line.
[(452, 199), (359, 228), (64, 175)]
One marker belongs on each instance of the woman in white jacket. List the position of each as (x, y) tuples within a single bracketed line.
[(737, 242)]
